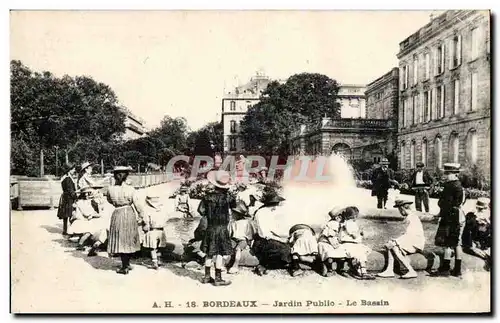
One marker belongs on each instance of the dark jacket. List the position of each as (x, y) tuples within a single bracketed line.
[(67, 199), (451, 199), (426, 177), (382, 180)]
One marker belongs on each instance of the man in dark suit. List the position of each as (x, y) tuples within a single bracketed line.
[(382, 179), (421, 182)]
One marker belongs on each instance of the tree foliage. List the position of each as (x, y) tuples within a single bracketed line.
[(303, 98)]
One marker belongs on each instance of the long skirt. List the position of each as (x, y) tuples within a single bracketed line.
[(326, 251), (65, 209), (123, 232), (449, 232), (217, 241), (271, 254)]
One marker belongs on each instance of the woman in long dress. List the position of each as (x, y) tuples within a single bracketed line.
[(123, 236), (68, 196)]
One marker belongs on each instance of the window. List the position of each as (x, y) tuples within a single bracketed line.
[(424, 151), (404, 77), (453, 148), (456, 51), (233, 105), (426, 106), (432, 109), (456, 96), (233, 126), (415, 70), (438, 152), (421, 114), (232, 143), (440, 101), (414, 108), (474, 43), (403, 157), (412, 155), (471, 148), (403, 103), (427, 58), (439, 59), (473, 96)]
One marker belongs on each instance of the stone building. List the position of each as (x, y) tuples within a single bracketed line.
[(134, 126), (445, 108), (352, 101)]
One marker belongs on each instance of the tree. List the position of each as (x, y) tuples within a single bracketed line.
[(172, 134), (207, 140), (304, 98)]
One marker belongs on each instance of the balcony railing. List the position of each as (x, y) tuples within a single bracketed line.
[(345, 124)]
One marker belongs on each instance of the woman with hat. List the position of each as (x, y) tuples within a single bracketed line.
[(477, 235), (84, 177), (123, 237), (216, 242), (383, 180), (68, 196), (241, 231), (329, 248), (412, 241), (272, 250), (452, 221), (156, 218)]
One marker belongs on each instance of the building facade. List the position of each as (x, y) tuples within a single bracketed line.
[(134, 126), (444, 103), (235, 105), (352, 101)]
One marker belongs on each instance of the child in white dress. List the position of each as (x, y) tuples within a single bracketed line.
[(241, 230), (304, 247), (329, 248), (182, 202), (156, 220)]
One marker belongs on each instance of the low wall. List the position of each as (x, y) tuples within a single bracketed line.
[(39, 192)]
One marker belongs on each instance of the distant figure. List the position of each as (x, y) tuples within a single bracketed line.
[(182, 202), (412, 241), (477, 236), (452, 221), (68, 196), (383, 180), (421, 183)]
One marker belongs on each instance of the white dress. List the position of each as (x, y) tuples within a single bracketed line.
[(86, 220), (157, 219), (304, 243), (350, 237), (413, 239), (325, 248)]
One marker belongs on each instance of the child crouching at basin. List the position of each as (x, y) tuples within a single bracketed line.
[(329, 247), (412, 241), (155, 221), (351, 238), (241, 230), (304, 247)]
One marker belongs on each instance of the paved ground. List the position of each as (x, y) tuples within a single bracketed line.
[(48, 275)]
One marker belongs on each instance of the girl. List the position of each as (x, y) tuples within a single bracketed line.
[(351, 237), (182, 202), (216, 241), (123, 230), (84, 178), (241, 231), (155, 237), (68, 197), (82, 220), (329, 247), (304, 247)]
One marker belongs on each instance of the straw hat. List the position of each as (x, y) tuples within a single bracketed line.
[(122, 169), (219, 178), (300, 227), (384, 161), (274, 199), (153, 201), (85, 165), (451, 168), (68, 167), (399, 203), (482, 203)]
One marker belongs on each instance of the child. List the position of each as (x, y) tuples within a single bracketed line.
[(182, 202), (304, 247), (412, 241), (329, 246), (81, 221), (155, 221), (241, 231), (477, 235), (351, 237)]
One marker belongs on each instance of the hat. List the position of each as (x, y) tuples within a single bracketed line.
[(300, 227), (350, 212), (183, 188), (451, 168), (274, 199), (399, 203), (384, 161), (122, 169), (482, 203), (153, 201), (97, 186), (219, 178), (85, 190), (241, 209), (85, 165), (336, 212), (420, 164), (67, 167)]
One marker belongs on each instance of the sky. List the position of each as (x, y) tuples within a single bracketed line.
[(178, 63)]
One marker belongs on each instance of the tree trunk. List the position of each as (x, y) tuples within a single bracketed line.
[(41, 163)]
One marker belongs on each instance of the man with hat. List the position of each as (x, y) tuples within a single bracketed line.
[(382, 179), (241, 231), (477, 238), (421, 182), (451, 224), (412, 241)]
